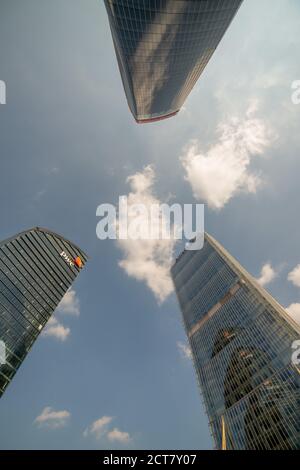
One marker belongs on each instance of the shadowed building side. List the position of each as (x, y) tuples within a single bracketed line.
[(37, 267), (162, 48), (241, 341)]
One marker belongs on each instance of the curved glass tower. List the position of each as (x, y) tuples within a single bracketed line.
[(37, 267), (241, 341), (163, 46)]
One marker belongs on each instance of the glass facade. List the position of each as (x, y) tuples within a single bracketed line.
[(37, 267), (163, 46), (241, 341)]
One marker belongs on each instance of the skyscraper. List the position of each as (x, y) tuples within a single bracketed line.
[(241, 341), (37, 267), (163, 46)]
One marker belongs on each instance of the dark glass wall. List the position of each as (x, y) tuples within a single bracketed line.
[(37, 267), (163, 46), (241, 341)]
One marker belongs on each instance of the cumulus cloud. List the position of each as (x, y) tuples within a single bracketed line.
[(53, 419), (294, 276), (267, 275), (148, 260), (99, 427), (56, 330), (294, 311), (69, 303), (118, 436), (220, 173), (184, 350)]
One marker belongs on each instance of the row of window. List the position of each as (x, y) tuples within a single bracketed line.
[(268, 418), (142, 9), (33, 280)]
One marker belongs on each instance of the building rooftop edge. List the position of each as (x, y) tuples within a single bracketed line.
[(42, 229), (157, 118), (243, 273), (206, 235)]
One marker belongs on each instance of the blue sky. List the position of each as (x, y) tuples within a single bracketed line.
[(118, 377)]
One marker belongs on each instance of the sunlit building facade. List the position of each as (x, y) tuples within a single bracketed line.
[(37, 267), (162, 48), (241, 341)]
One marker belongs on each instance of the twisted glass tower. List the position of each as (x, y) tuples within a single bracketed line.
[(241, 341), (163, 46), (37, 267)]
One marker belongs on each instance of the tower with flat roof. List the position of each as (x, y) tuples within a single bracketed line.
[(162, 48), (241, 341), (37, 267)]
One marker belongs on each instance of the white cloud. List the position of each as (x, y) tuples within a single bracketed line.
[(294, 311), (118, 436), (147, 260), (217, 175), (294, 276), (53, 419), (56, 330), (185, 350), (99, 427), (69, 303), (39, 195), (267, 275)]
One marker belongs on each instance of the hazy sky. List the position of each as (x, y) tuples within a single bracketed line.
[(114, 372)]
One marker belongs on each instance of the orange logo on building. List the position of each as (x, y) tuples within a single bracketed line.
[(78, 262)]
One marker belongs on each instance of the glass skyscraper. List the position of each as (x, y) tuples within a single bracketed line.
[(163, 46), (37, 267), (241, 341)]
